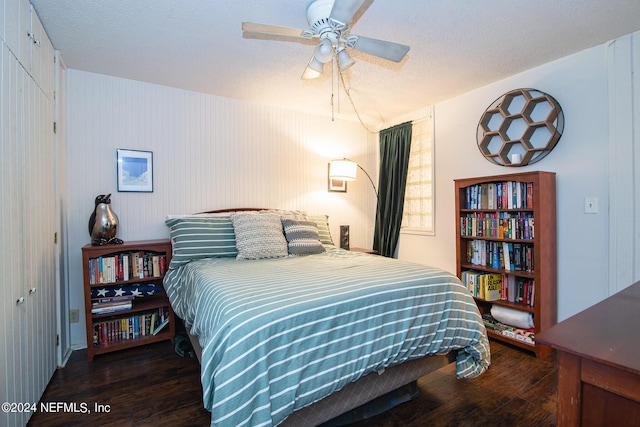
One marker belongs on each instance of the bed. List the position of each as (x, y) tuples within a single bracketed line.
[(291, 330)]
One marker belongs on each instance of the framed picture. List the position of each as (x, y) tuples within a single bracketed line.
[(336, 185), (135, 170)]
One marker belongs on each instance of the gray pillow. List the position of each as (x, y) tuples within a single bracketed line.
[(302, 237), (259, 235)]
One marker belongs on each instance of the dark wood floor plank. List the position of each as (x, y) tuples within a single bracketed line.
[(152, 386)]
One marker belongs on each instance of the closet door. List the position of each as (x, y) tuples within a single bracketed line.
[(13, 298), (28, 299), (39, 229)]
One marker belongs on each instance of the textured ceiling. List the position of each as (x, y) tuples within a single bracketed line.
[(456, 46)]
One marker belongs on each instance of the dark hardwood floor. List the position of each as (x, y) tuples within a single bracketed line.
[(152, 386)]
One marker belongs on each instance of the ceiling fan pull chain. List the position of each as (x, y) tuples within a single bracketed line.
[(332, 84), (333, 118)]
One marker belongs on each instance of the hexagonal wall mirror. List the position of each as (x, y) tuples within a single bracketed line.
[(520, 128)]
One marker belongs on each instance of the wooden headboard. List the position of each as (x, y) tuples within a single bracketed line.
[(235, 210)]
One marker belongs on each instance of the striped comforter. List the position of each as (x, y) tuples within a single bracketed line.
[(280, 334)]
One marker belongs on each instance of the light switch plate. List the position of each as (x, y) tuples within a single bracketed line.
[(590, 205)]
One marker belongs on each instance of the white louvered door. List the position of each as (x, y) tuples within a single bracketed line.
[(27, 224)]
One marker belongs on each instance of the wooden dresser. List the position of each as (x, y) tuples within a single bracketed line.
[(599, 362)]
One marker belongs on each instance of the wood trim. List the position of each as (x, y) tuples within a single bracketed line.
[(569, 402), (235, 210), (614, 380)]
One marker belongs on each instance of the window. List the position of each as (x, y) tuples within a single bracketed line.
[(418, 215)]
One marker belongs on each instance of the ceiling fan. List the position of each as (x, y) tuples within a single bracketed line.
[(329, 22)]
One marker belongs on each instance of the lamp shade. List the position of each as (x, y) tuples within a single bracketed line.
[(345, 61), (344, 170), (313, 70)]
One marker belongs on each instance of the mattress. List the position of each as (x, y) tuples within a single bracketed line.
[(278, 335)]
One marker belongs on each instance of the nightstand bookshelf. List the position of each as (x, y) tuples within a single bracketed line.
[(115, 278)]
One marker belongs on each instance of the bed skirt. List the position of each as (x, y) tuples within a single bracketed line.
[(357, 393)]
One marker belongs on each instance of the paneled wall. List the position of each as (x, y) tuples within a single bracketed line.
[(597, 156), (623, 57), (27, 207), (208, 153)]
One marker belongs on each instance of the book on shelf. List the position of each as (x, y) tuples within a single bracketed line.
[(492, 287), (106, 300), (107, 308), (126, 266), (516, 257), (499, 287), (506, 225), (112, 331), (500, 195), (161, 326)]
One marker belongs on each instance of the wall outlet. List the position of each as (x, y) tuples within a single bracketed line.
[(74, 315)]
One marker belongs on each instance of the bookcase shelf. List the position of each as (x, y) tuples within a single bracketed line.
[(494, 215), (135, 265)]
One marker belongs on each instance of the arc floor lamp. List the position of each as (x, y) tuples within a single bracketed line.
[(346, 170)]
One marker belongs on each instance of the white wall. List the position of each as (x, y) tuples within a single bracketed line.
[(580, 84), (208, 153)]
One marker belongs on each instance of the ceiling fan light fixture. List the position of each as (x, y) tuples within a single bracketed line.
[(324, 51), (330, 22), (310, 74), (316, 65), (314, 69), (345, 61)]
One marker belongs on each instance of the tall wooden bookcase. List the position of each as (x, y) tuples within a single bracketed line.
[(112, 331), (495, 214)]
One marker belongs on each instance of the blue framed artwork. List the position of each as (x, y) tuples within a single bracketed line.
[(135, 170)]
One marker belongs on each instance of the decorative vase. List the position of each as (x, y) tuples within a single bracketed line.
[(103, 222)]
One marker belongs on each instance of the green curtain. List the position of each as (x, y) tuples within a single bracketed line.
[(395, 144)]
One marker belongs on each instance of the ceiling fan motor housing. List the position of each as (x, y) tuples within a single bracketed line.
[(318, 14)]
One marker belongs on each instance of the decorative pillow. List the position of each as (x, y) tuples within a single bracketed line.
[(302, 237), (259, 235), (322, 221), (288, 214), (195, 237)]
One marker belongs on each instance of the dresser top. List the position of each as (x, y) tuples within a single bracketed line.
[(608, 332)]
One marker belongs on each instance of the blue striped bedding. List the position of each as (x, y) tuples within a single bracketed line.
[(280, 334)]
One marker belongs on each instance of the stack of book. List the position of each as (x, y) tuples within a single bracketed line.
[(111, 304)]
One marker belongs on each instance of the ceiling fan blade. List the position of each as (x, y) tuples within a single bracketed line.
[(276, 30), (344, 10), (387, 50)]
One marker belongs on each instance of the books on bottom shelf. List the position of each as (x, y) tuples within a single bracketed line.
[(114, 331), (519, 334)]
